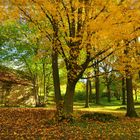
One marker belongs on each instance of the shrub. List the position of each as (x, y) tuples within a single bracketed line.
[(102, 117), (80, 95)]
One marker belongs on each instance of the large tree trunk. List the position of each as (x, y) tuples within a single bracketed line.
[(55, 68), (68, 99), (123, 91), (56, 80), (56, 84), (130, 102), (129, 86)]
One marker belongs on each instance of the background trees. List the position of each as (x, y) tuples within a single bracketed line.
[(20, 50)]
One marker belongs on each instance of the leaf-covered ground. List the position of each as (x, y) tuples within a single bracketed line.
[(37, 124)]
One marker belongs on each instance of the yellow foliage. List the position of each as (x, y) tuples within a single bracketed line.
[(84, 29)]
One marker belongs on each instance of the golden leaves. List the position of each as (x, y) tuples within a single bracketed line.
[(32, 123), (90, 26)]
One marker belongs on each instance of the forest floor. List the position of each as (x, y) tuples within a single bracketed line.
[(38, 124)]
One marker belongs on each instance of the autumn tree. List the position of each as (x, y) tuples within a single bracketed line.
[(128, 65), (129, 86), (80, 31)]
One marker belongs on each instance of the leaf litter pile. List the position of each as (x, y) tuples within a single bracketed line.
[(38, 124)]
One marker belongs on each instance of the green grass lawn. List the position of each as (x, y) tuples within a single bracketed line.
[(115, 106), (104, 106)]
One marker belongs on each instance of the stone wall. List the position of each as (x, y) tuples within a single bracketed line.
[(15, 94)]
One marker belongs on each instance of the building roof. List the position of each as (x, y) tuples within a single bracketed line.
[(13, 76)]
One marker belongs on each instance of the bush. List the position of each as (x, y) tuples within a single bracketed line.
[(137, 103), (80, 95), (99, 117)]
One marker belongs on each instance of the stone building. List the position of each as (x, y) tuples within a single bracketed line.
[(15, 88)]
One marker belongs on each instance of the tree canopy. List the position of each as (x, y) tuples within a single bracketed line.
[(81, 32)]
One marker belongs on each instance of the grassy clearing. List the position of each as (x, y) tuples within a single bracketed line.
[(115, 106), (38, 124)]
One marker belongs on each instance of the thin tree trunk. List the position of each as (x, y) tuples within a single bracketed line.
[(108, 92), (87, 94), (97, 89), (130, 102), (97, 83), (123, 92), (136, 97), (44, 82), (90, 91)]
